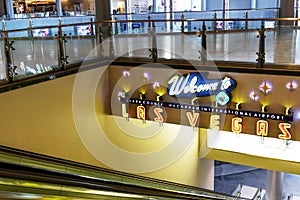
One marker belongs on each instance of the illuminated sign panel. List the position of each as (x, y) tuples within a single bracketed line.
[(219, 115), (246, 113), (195, 85)]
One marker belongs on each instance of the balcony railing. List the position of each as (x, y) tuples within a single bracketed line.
[(34, 49)]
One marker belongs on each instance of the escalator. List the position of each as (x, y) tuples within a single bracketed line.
[(24, 175)]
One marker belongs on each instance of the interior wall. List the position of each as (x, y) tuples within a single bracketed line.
[(42, 118)]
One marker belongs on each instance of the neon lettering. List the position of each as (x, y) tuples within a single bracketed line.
[(262, 128), (236, 125), (192, 117), (159, 117), (285, 134), (215, 122), (177, 85), (193, 84), (141, 112)]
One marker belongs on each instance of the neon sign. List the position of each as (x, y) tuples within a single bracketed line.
[(195, 85), (209, 109), (193, 116)]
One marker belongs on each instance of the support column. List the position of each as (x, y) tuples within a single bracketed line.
[(200, 5), (171, 14), (275, 183), (9, 8), (225, 13), (102, 12), (59, 8), (253, 4), (223, 7), (126, 8), (286, 11), (203, 5), (154, 6)]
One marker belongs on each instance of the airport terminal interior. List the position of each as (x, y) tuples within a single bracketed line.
[(149, 99)]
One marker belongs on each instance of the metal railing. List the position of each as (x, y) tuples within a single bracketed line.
[(25, 54), (217, 15)]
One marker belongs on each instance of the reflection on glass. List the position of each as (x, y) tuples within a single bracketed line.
[(32, 57)]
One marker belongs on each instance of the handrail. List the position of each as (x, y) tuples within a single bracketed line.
[(199, 19), (201, 11), (149, 20), (49, 27)]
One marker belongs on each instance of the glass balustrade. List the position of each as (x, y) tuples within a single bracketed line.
[(33, 57), (2, 62), (36, 46)]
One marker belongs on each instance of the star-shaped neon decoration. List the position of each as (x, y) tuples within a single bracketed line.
[(293, 85), (156, 85), (254, 96), (126, 74), (265, 87)]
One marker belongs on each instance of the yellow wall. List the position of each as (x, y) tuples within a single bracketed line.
[(40, 118)]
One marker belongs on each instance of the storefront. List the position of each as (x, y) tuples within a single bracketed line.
[(83, 7), (48, 8), (23, 6)]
